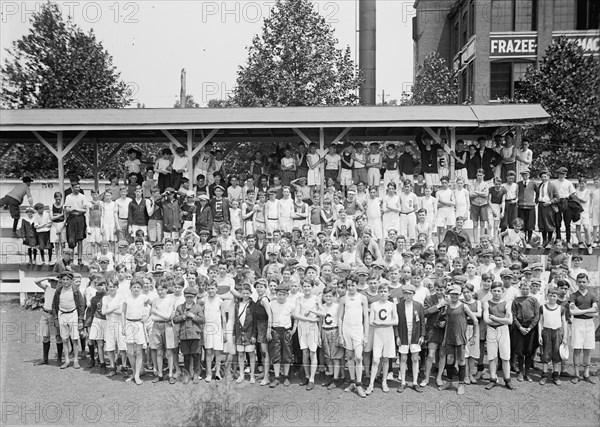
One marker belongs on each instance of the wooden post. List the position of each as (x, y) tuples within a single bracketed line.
[(182, 94), (190, 154), (453, 148), (95, 169), (518, 139), (61, 165), (322, 165)]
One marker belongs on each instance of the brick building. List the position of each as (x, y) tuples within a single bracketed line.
[(492, 42)]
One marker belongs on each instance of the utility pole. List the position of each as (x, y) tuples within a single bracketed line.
[(182, 94)]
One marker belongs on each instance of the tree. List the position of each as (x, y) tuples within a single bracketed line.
[(294, 62), (189, 102), (57, 65), (567, 84), (435, 83)]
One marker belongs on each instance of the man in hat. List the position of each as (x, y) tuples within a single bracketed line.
[(546, 199), (48, 327), (485, 158), (410, 335), (13, 201), (526, 204), (68, 309), (564, 188)]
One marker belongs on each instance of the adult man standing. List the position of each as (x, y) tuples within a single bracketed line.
[(75, 209), (546, 198), (486, 159), (526, 204), (428, 151), (565, 188), (479, 206), (139, 212), (13, 201)]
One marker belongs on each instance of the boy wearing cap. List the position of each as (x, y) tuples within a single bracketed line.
[(68, 309), (455, 339), (190, 318), (42, 224), (353, 320), (510, 202), (564, 189), (546, 199), (524, 336), (48, 326), (552, 332), (162, 335), (583, 307), (410, 334), (526, 204), (498, 317), (279, 335)]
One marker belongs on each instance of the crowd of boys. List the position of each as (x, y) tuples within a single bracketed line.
[(265, 271)]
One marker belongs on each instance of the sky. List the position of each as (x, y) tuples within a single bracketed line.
[(151, 41)]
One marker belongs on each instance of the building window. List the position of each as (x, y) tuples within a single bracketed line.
[(464, 29), (471, 19), (513, 15), (588, 14), (455, 39), (505, 78), (466, 83), (576, 15)]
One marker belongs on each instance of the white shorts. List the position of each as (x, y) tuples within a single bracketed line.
[(583, 334), (346, 177), (68, 324), (412, 349), (431, 179), (461, 173), (369, 344), (113, 337), (495, 211), (391, 176), (97, 329), (353, 337), (95, 235), (246, 348), (383, 344), (408, 225), (308, 335), (229, 347), (213, 336), (374, 177), (135, 333), (584, 220), (498, 340), (446, 217)]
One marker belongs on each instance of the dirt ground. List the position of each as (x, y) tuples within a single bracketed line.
[(48, 395)]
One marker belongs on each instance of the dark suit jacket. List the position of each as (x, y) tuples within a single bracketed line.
[(245, 332), (552, 192), (487, 162), (418, 327)]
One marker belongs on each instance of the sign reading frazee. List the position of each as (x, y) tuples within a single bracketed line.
[(513, 46), (589, 41)]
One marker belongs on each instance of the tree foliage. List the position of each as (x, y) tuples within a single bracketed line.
[(567, 84), (57, 65), (295, 62), (435, 83), (190, 102)]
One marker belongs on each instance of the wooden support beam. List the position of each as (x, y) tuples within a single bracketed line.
[(6, 149), (301, 134), (322, 165), (74, 142), (61, 164), (434, 135), (110, 156), (190, 154), (95, 170), (453, 148), (173, 140), (204, 141), (83, 158), (46, 143), (341, 135)]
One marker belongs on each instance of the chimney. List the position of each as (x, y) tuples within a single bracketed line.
[(367, 44)]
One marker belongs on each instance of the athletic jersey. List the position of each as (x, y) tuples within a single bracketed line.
[(56, 211), (95, 216), (473, 307), (408, 202), (346, 160), (353, 311), (123, 208), (374, 158), (212, 311), (282, 314), (383, 310), (331, 312), (315, 215), (67, 300), (390, 163), (306, 304), (497, 309), (204, 160), (260, 313), (286, 207), (343, 226), (496, 195), (552, 317), (110, 303), (445, 196)]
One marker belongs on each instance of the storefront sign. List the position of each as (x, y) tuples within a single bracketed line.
[(589, 42), (513, 46)]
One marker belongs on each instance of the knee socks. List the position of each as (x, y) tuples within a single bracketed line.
[(462, 371), (450, 372), (15, 223), (59, 350), (46, 351), (91, 349)]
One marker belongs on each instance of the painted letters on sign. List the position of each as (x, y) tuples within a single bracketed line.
[(513, 46)]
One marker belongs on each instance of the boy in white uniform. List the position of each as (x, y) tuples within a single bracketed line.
[(353, 320), (214, 317), (445, 203), (382, 317), (308, 332)]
